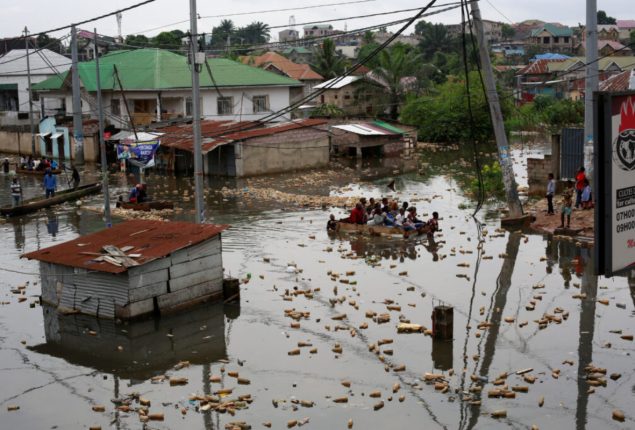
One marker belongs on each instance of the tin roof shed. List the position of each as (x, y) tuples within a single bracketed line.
[(153, 240)]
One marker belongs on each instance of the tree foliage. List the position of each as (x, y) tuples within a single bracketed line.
[(434, 38), (547, 112), (508, 32), (137, 40), (328, 62), (443, 116), (227, 33), (168, 39), (45, 41), (604, 19)]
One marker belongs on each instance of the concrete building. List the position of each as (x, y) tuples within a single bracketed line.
[(288, 35), (552, 38), (177, 264), (625, 27), (157, 88), (318, 30), (353, 94), (250, 148), (14, 93), (493, 30)]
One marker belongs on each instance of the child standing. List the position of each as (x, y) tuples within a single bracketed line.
[(567, 203), (587, 201), (551, 190)]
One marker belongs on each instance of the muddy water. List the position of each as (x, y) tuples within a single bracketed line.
[(55, 368)]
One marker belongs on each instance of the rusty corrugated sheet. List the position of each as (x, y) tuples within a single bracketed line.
[(151, 239), (216, 133)]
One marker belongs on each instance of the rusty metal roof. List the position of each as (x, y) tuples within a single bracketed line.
[(216, 133), (151, 239)]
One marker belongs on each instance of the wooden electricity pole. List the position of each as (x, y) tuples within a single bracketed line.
[(504, 152)]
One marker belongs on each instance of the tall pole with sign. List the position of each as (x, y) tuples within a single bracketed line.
[(196, 63), (590, 81), (102, 144), (78, 131), (28, 74)]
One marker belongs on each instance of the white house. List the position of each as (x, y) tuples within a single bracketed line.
[(156, 85), (14, 94)]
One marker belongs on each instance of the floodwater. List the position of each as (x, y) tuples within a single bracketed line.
[(56, 368)]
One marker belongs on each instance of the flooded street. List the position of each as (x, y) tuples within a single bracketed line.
[(535, 336)]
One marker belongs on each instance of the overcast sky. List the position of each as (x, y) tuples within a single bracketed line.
[(41, 15)]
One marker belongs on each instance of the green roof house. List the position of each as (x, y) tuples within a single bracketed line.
[(552, 38), (157, 86)]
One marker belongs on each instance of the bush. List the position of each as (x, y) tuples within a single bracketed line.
[(492, 181), (444, 116)]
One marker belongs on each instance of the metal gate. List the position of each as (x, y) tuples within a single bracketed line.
[(571, 152)]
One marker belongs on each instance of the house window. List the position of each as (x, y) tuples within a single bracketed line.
[(545, 40), (566, 39), (347, 96), (189, 108), (261, 103), (115, 107), (556, 40), (225, 105)]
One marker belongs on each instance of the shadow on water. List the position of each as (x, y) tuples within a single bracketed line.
[(141, 349)]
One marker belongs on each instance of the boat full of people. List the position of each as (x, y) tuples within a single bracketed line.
[(384, 217)]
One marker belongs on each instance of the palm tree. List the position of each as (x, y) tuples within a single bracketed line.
[(222, 33), (368, 38), (434, 38), (256, 33), (327, 62), (394, 66)]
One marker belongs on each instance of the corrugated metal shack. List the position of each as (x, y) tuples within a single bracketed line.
[(376, 138), (135, 268)]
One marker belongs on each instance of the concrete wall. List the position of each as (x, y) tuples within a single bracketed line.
[(13, 142), (293, 150), (279, 98)]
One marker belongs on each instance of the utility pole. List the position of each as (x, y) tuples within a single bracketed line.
[(196, 63), (78, 130), (28, 74), (590, 81), (504, 153), (102, 145)]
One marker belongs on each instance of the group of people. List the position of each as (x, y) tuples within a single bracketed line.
[(390, 214), (38, 164), (138, 194), (583, 193)]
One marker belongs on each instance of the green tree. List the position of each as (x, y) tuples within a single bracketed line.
[(443, 115), (168, 39), (395, 64), (368, 38), (253, 34), (137, 40), (45, 41), (328, 111), (223, 33), (434, 38), (327, 62), (508, 32), (604, 19)]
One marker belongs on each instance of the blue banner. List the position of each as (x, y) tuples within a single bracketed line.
[(138, 153)]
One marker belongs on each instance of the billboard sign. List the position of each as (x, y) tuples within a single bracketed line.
[(615, 182), (138, 153)]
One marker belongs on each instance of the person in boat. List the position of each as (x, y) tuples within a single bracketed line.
[(49, 183), (433, 224), (379, 216), (38, 165), (134, 194), (16, 192), (30, 165), (412, 216), (142, 196), (331, 225), (6, 165), (75, 177), (54, 164), (356, 216)]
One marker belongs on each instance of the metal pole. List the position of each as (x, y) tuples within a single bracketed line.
[(504, 154), (590, 82), (196, 117), (28, 74), (102, 145), (78, 131)]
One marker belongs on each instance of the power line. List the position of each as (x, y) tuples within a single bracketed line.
[(106, 15), (256, 12)]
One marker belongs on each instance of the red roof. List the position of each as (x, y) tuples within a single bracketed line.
[(300, 72), (216, 133), (626, 23), (619, 82), (151, 239), (538, 67)]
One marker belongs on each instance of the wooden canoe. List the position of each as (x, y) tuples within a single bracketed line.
[(377, 230), (146, 206), (37, 172), (32, 205)]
